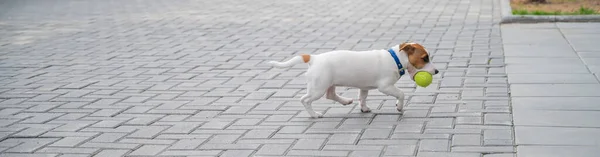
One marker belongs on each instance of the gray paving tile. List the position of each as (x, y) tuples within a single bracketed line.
[(552, 136), (361, 153), (111, 153), (543, 61), (434, 146), (500, 155), (583, 42), (196, 83), (549, 118), (317, 153), (567, 25), (557, 151), (558, 90), (273, 149), (525, 78), (589, 54), (448, 154), (308, 144), (547, 69), (535, 35), (591, 61), (150, 150), (561, 49), (485, 149), (406, 150), (556, 103), (237, 153), (466, 139)]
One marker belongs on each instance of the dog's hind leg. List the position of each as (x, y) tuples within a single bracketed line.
[(310, 96), (316, 88), (331, 95)]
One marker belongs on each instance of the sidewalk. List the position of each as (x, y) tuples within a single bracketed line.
[(188, 78), (553, 72)]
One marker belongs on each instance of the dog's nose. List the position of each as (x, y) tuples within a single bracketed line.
[(436, 71)]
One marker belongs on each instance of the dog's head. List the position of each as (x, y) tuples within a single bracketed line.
[(419, 59)]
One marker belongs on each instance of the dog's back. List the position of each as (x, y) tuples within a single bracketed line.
[(357, 69)]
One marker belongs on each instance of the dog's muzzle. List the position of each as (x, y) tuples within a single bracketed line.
[(427, 68)]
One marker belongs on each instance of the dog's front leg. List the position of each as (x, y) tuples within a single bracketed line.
[(391, 90), (362, 96)]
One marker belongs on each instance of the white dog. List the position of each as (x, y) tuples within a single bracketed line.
[(366, 70)]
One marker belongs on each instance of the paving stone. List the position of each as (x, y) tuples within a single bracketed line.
[(68, 150), (107, 137), (309, 144), (223, 138), (150, 150), (466, 140), (120, 85), (259, 133), (317, 153), (351, 147), (447, 154), (487, 149), (433, 146), (190, 153), (546, 118), (407, 150), (555, 103), (111, 152), (497, 119), (364, 153), (557, 151), (273, 149), (500, 155), (342, 139), (388, 142), (70, 141), (210, 146), (237, 153), (187, 144), (527, 135), (409, 128), (551, 78), (440, 123), (28, 145), (565, 90), (376, 133), (547, 69), (468, 120)]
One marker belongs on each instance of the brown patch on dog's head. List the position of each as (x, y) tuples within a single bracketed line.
[(417, 55)]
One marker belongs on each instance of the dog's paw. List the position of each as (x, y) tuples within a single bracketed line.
[(399, 107), (365, 110), (348, 103), (316, 115)]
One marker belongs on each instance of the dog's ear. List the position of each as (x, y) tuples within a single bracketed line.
[(408, 48)]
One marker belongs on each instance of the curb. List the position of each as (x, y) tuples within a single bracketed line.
[(508, 17)]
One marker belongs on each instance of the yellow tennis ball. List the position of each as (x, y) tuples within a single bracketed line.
[(423, 78)]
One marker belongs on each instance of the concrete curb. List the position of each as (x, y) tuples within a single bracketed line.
[(508, 17)]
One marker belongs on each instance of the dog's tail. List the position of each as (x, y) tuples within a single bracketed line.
[(305, 58)]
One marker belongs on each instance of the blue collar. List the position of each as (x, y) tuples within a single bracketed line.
[(397, 61)]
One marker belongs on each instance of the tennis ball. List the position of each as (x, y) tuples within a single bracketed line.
[(423, 78)]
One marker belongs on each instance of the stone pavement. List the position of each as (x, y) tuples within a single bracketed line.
[(553, 71), (188, 78)]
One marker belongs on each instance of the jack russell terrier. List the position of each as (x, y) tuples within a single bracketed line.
[(366, 70)]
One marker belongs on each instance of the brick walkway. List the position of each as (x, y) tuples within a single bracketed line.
[(188, 78)]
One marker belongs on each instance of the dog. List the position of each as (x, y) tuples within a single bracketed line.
[(365, 70)]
